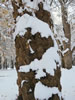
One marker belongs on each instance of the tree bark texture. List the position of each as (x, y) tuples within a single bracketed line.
[(25, 57)]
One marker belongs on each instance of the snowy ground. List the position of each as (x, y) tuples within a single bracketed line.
[(68, 83), (9, 89)]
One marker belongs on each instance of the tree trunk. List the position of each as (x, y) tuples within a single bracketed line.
[(67, 56), (5, 66), (24, 56), (0, 62)]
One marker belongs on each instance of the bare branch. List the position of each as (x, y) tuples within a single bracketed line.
[(51, 2)]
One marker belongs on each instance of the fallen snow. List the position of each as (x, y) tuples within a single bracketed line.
[(65, 39), (30, 4), (20, 10), (65, 51), (30, 90), (43, 92), (9, 89), (48, 62), (34, 23), (33, 5), (8, 86), (68, 83), (31, 50), (23, 82)]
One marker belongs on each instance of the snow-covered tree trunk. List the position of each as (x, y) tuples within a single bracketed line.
[(67, 56), (37, 61)]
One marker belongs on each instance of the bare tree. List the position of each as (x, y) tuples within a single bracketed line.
[(67, 57)]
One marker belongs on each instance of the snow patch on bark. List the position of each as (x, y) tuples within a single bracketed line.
[(35, 24), (48, 62), (65, 51), (43, 92)]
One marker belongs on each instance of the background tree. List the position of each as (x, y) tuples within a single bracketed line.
[(0, 62), (7, 47), (67, 57), (65, 40), (5, 66)]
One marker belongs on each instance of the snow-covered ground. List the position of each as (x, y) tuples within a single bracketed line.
[(9, 89), (68, 83)]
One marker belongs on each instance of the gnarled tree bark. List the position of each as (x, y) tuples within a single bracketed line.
[(24, 56)]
